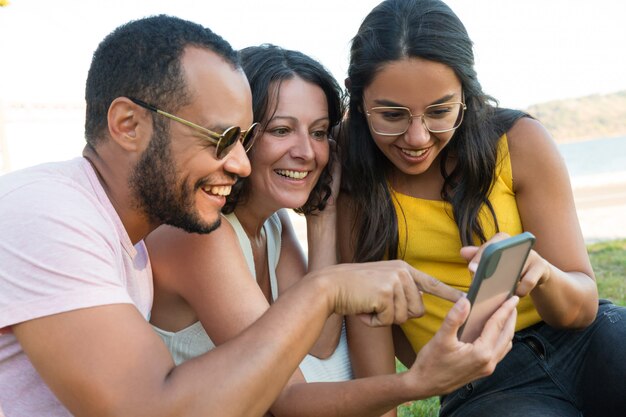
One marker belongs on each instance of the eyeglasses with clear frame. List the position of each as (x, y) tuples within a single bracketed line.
[(395, 121), (224, 142)]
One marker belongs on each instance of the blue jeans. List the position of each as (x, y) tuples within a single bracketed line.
[(553, 372)]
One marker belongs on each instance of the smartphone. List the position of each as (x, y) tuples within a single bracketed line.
[(495, 280)]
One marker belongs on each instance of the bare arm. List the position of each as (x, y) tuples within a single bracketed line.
[(214, 288), (371, 349), (107, 361), (103, 354), (213, 294), (443, 365), (322, 251), (292, 266), (558, 275)]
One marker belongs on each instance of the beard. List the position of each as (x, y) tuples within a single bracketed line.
[(160, 194)]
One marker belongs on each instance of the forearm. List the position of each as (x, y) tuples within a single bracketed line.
[(259, 361), (322, 239), (366, 397), (566, 299), (328, 340), (322, 246), (109, 361)]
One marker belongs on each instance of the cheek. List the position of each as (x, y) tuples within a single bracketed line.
[(266, 152), (199, 165), (260, 162), (322, 153), (443, 138)]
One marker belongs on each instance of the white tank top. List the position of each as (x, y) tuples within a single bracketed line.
[(193, 340)]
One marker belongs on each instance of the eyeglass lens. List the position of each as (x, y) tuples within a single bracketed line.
[(231, 135), (396, 120), (249, 136), (227, 141)]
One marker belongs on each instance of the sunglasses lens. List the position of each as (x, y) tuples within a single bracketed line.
[(250, 136), (227, 142)]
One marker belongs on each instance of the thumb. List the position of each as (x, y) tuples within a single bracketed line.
[(469, 253), (455, 318)]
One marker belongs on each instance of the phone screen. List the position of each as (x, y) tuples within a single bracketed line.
[(495, 280)]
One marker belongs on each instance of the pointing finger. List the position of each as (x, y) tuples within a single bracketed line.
[(433, 286)]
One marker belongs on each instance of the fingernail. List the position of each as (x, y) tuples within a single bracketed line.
[(472, 266)]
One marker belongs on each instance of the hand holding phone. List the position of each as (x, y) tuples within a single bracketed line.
[(495, 280)]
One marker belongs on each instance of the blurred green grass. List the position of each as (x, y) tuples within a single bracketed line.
[(609, 264)]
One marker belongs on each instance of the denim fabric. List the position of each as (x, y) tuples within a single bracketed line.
[(554, 372)]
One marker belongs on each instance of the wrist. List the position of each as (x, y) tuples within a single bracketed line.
[(548, 272), (325, 219), (321, 288), (411, 387)]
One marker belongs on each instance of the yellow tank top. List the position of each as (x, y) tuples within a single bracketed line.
[(429, 241)]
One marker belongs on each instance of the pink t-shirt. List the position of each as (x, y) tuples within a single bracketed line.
[(62, 247)]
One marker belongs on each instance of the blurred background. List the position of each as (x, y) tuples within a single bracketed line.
[(562, 60)]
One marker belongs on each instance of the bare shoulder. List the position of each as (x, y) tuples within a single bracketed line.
[(534, 153), (527, 134), (175, 253)]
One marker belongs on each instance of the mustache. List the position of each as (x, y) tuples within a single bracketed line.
[(208, 181)]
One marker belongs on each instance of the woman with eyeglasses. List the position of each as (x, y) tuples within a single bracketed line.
[(433, 170)]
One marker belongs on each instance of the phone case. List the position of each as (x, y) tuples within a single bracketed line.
[(495, 280)]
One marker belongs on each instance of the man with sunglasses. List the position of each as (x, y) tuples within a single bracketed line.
[(168, 121)]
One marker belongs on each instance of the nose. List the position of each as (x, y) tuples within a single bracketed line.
[(237, 162), (417, 135), (302, 147)]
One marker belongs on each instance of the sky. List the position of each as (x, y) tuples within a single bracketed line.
[(527, 51)]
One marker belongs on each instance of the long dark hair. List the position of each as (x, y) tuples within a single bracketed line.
[(428, 29), (266, 67)]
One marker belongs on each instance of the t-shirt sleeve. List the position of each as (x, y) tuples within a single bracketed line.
[(59, 251)]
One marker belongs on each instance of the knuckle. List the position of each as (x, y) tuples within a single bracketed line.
[(401, 317), (490, 368), (484, 358), (433, 282), (421, 310), (417, 310)]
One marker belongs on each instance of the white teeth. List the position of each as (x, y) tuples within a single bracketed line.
[(222, 190), (419, 152), (298, 175)]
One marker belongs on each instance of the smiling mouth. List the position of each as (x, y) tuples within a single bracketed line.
[(414, 153), (297, 175), (221, 190)]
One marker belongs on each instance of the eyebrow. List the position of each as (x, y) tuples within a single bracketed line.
[(389, 103), (294, 119), (219, 127)]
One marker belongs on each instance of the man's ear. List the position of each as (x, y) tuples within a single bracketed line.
[(129, 125)]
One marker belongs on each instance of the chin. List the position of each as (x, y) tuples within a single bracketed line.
[(196, 224), (294, 204)]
